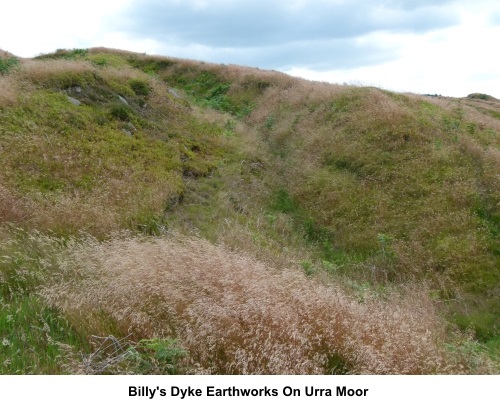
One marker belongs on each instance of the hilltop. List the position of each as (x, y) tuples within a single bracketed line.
[(196, 212), (482, 96)]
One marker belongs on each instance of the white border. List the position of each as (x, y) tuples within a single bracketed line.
[(384, 390)]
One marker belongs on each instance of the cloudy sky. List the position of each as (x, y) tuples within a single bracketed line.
[(449, 47)]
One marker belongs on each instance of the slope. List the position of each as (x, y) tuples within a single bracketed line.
[(364, 190)]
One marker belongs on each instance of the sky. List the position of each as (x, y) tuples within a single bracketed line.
[(448, 47)]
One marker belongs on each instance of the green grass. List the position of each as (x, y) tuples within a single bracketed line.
[(34, 338), (208, 90)]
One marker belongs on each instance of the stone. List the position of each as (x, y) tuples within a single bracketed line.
[(131, 127), (122, 100), (174, 93), (73, 101)]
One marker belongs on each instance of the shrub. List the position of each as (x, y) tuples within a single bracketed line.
[(140, 87), (7, 64), (120, 112)]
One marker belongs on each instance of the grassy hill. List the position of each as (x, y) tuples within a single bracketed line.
[(224, 219)]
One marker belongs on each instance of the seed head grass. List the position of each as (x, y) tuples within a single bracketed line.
[(235, 315)]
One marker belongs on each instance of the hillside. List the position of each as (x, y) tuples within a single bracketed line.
[(224, 219)]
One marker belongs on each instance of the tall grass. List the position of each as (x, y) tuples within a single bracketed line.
[(61, 73), (33, 337), (234, 314), (10, 90)]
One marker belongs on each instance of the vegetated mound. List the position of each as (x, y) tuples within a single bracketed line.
[(363, 188), (96, 149), (481, 96)]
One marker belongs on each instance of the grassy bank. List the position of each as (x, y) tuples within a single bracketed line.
[(171, 203)]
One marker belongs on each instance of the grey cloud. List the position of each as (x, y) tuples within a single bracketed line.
[(283, 33), (317, 55), (231, 24)]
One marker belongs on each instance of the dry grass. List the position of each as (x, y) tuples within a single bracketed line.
[(114, 206), (9, 90), (89, 213), (11, 209), (122, 74), (234, 314), (102, 49), (63, 73)]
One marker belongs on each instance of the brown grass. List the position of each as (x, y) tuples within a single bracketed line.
[(122, 74), (56, 72), (9, 90), (361, 163), (11, 206), (88, 213), (234, 314), (98, 212), (102, 211)]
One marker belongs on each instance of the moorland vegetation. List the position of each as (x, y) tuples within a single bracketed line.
[(160, 215)]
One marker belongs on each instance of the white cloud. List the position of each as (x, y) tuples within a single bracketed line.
[(455, 62), (32, 27)]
